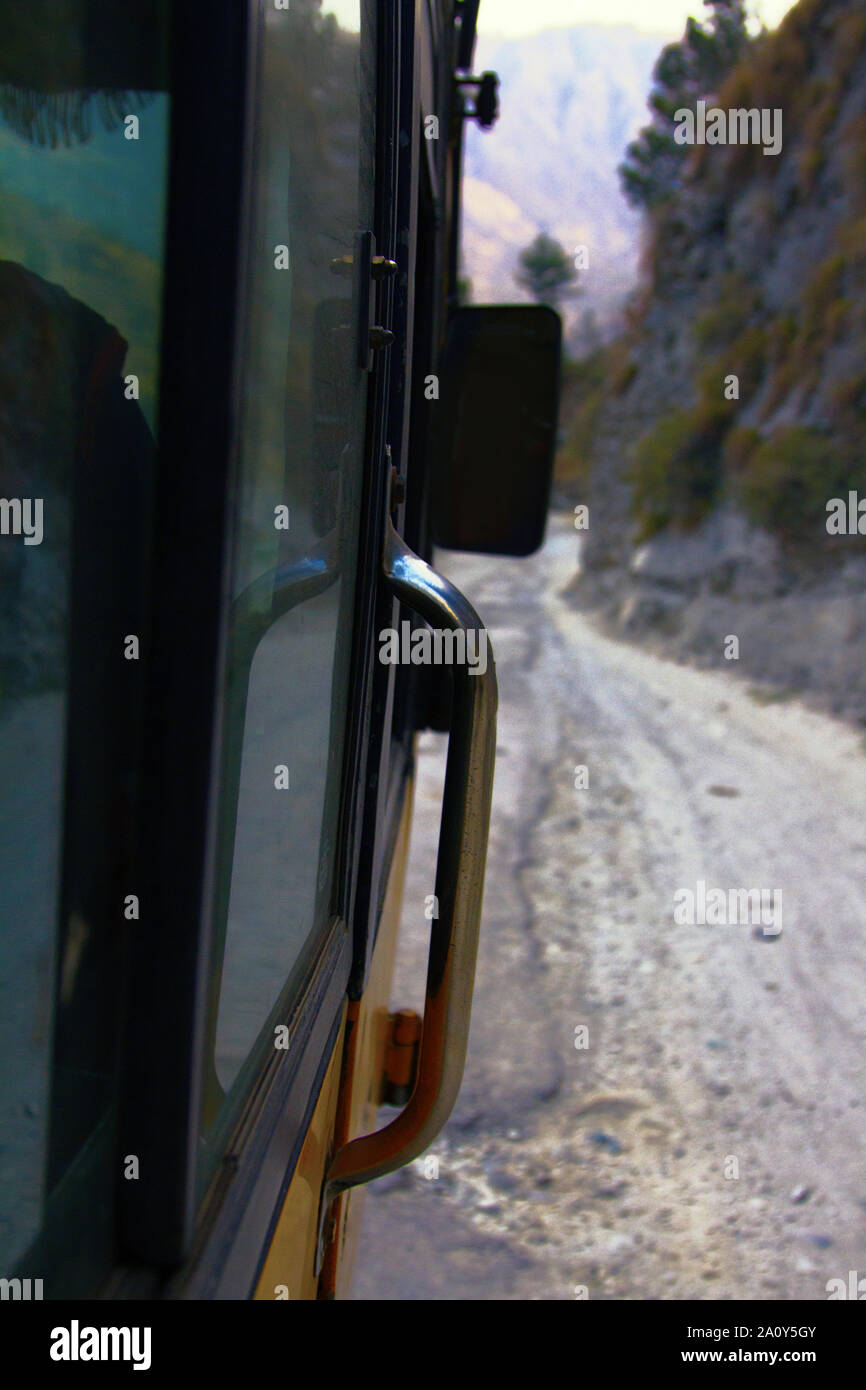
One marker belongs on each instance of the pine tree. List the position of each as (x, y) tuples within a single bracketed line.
[(685, 71), (545, 269)]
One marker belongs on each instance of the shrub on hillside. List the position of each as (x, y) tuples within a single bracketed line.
[(849, 43), (744, 358), (677, 471), (728, 316), (584, 385), (740, 444), (788, 479)]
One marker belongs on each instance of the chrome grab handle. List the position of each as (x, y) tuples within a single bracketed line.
[(459, 889)]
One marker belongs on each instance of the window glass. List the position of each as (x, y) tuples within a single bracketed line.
[(83, 165), (298, 498)]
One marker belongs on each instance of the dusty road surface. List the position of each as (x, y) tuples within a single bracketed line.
[(705, 1136)]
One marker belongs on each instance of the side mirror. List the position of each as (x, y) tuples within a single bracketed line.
[(494, 445)]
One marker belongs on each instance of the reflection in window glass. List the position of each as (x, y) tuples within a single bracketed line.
[(82, 194), (301, 452)]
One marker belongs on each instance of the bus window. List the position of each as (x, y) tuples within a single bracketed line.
[(83, 171), (301, 438)]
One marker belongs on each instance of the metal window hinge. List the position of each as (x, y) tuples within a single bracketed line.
[(372, 268)]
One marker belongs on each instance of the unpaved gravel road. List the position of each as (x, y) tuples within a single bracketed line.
[(709, 1141)]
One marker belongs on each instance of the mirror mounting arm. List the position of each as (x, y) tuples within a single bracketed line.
[(485, 108)]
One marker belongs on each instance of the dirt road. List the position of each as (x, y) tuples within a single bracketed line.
[(704, 1137)]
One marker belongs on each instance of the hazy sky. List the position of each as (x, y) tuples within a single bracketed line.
[(656, 16)]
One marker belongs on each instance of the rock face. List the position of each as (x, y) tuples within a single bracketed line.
[(757, 268), (726, 555)]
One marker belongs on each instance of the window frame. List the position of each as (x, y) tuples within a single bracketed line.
[(400, 696), (216, 1247), (158, 1227), (193, 482)]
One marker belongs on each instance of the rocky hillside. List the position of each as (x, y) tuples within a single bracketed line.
[(570, 99), (709, 438)]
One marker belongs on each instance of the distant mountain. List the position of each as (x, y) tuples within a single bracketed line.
[(571, 100)]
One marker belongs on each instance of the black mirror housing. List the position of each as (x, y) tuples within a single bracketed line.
[(496, 434)]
